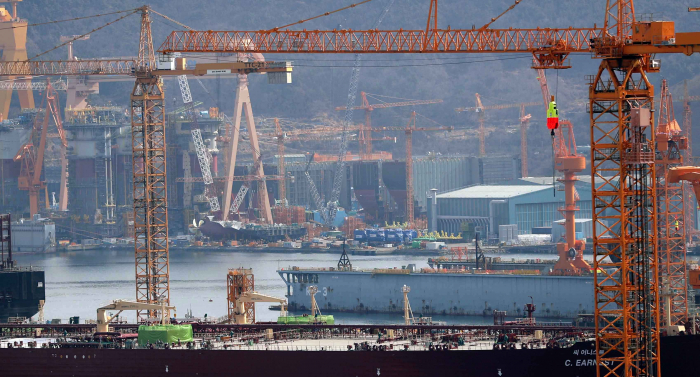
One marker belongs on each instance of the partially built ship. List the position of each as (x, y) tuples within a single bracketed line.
[(233, 230)]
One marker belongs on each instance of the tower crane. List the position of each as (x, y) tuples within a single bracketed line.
[(480, 109), (409, 129), (670, 237), (622, 140), (148, 140), (365, 136)]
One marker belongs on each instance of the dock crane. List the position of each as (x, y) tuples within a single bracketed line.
[(31, 154), (480, 109), (239, 314), (103, 320), (622, 139)]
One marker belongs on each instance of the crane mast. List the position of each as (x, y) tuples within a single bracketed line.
[(671, 227)]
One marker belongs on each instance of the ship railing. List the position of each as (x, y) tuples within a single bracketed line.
[(21, 269)]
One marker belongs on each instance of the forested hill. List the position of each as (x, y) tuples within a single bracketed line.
[(321, 81)]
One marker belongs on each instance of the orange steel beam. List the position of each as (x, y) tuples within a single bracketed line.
[(385, 41), (670, 239)]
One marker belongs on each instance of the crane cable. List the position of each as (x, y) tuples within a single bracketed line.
[(321, 15), (82, 35), (66, 20), (554, 157), (499, 16)]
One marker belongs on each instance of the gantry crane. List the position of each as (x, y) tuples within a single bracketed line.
[(365, 136), (148, 141), (480, 109), (31, 154), (13, 42), (622, 140), (242, 105), (670, 224)]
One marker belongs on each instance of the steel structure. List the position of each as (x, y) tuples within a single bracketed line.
[(622, 141), (242, 104), (31, 154), (479, 108), (365, 136), (240, 281), (670, 240), (689, 217), (203, 156), (624, 215), (13, 42), (150, 179)]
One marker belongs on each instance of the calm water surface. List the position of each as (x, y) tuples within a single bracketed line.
[(77, 283)]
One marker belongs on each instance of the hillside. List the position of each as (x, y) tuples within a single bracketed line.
[(320, 81)]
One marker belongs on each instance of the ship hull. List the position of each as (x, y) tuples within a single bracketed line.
[(440, 293), (20, 293), (218, 232), (577, 361)]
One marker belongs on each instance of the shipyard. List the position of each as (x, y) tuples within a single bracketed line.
[(344, 188)]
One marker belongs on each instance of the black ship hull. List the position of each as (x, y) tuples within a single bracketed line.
[(20, 293), (216, 231), (677, 354)]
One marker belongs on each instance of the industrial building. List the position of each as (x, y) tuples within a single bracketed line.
[(488, 206)]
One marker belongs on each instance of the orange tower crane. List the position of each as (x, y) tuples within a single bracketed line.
[(365, 136), (622, 138), (670, 225), (691, 175), (480, 109), (409, 129), (148, 136)]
